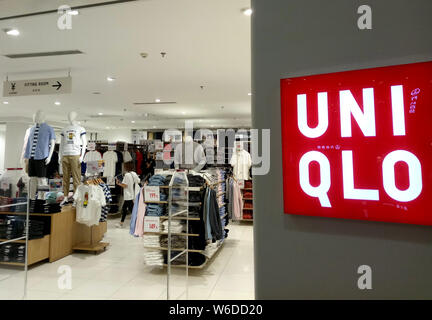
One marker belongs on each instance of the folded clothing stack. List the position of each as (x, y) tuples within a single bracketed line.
[(195, 258), (151, 241), (155, 210), (22, 207), (248, 184), (12, 227), (247, 205), (41, 206), (4, 201), (153, 258), (12, 252), (247, 215), (157, 180), (176, 226), (195, 180), (177, 242)]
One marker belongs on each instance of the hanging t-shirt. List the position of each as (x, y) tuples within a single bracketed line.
[(111, 159), (139, 162), (91, 156), (71, 140), (89, 200), (241, 162), (132, 180)]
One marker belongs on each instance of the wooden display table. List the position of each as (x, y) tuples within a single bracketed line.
[(66, 235)]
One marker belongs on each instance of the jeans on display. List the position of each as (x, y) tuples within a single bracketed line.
[(154, 210)]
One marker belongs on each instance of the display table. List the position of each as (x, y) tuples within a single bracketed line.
[(66, 235)]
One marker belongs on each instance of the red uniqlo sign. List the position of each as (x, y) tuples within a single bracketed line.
[(358, 144)]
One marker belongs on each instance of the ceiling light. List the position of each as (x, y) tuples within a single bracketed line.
[(5, 102), (110, 78), (247, 11), (100, 114), (57, 103), (249, 94), (132, 121), (157, 100), (154, 126), (183, 112), (12, 32), (73, 12)]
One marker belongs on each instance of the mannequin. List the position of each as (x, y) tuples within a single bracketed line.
[(38, 152), (71, 153), (189, 155), (241, 162)]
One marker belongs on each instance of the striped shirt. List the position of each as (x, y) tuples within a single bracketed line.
[(35, 141)]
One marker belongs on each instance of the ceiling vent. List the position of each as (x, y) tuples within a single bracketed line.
[(162, 102), (42, 54)]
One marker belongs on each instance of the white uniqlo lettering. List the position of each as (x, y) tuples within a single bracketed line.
[(415, 176), (365, 119), (320, 191), (348, 181), (398, 113), (322, 116)]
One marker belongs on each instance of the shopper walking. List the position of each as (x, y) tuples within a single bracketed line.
[(131, 187)]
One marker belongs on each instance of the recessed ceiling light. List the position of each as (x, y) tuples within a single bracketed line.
[(133, 121), (157, 100), (247, 11), (96, 92), (110, 78), (57, 103), (100, 114), (106, 127), (12, 32), (73, 12), (5, 102), (249, 94), (154, 126), (183, 112)]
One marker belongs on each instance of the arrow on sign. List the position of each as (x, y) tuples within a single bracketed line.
[(58, 85)]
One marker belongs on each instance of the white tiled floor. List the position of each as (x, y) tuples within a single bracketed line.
[(119, 273)]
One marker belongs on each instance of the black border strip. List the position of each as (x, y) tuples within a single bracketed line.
[(107, 3)]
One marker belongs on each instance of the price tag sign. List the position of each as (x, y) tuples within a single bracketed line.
[(111, 146), (151, 224), (151, 193), (241, 184), (91, 146)]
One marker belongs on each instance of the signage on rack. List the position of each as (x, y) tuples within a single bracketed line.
[(37, 87), (151, 224), (111, 146), (356, 144), (151, 193), (91, 146), (95, 167)]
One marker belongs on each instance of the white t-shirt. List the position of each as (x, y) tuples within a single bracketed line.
[(110, 158), (241, 162), (89, 200), (132, 189), (71, 140), (91, 156)]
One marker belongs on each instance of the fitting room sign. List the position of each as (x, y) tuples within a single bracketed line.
[(358, 144), (37, 87)]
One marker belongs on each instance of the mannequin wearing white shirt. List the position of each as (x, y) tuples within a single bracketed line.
[(72, 150), (241, 162), (72, 120), (38, 119)]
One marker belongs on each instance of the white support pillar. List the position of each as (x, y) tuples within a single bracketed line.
[(14, 139)]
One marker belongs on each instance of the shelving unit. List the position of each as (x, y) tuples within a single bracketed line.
[(247, 200)]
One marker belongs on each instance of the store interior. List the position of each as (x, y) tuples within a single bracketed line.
[(99, 196)]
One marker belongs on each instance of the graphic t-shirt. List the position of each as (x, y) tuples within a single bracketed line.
[(91, 156), (89, 200), (71, 140)]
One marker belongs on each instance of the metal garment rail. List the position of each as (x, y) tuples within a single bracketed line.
[(170, 216)]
